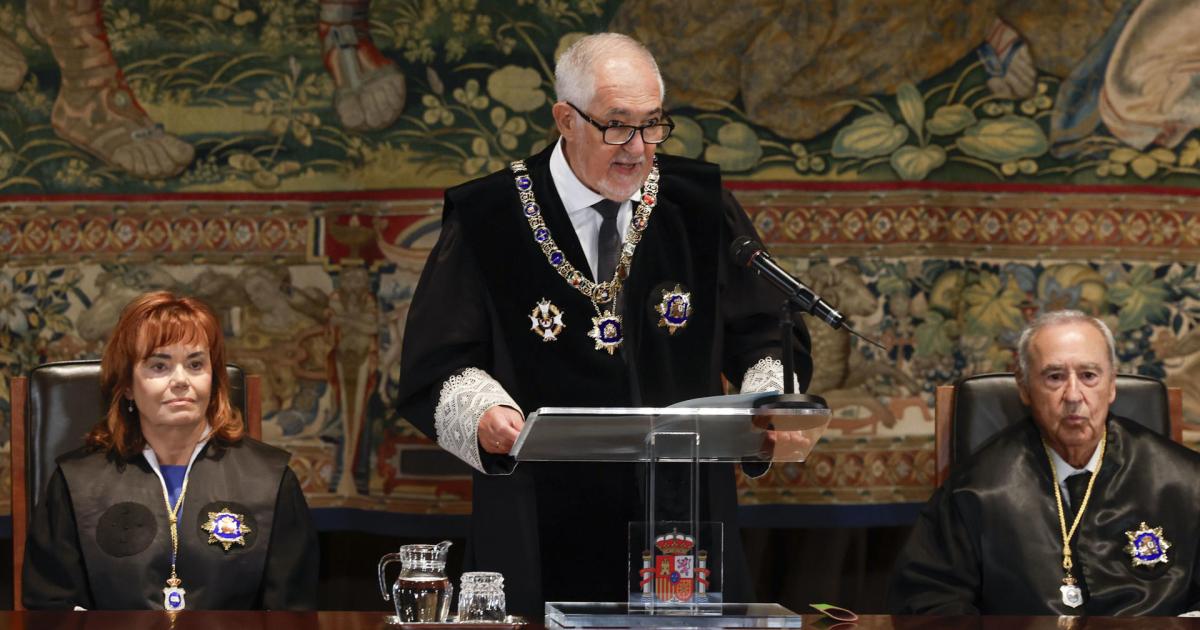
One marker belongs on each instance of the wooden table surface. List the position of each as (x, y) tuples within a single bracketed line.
[(206, 620)]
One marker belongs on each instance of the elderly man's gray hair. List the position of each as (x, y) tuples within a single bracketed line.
[(575, 75), (1054, 318)]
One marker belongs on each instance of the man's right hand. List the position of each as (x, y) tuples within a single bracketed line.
[(498, 429), (782, 444)]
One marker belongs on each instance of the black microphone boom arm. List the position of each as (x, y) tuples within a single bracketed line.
[(748, 252)]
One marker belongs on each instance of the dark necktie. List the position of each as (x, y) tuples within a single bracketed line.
[(1076, 488), (610, 240)]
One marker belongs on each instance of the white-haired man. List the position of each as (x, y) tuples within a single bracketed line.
[(1076, 512), (593, 274)]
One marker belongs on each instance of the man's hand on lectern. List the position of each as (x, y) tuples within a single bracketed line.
[(779, 444), (499, 427)]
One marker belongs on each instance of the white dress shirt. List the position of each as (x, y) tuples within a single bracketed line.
[(578, 199)]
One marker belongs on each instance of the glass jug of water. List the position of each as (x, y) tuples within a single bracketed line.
[(422, 592)]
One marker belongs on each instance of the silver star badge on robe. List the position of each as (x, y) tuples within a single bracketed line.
[(546, 320), (1147, 545)]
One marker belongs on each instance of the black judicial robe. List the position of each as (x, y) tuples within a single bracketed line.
[(100, 539), (989, 540), (558, 531)]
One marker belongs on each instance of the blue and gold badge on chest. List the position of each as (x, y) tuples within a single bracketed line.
[(607, 331), (226, 528), (1147, 545), (674, 309)]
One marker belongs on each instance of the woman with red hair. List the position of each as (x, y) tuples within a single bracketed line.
[(168, 505)]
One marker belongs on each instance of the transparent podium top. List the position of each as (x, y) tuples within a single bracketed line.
[(719, 429)]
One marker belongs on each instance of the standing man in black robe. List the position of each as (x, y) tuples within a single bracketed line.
[(991, 540), (592, 274)]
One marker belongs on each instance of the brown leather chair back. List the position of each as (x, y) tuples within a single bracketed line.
[(64, 404), (980, 406)]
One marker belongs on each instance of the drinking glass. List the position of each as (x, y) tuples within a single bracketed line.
[(481, 597)]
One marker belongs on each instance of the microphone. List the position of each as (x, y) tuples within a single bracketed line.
[(748, 252)]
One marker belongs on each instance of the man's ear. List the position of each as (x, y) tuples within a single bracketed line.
[(564, 118), (1021, 389)]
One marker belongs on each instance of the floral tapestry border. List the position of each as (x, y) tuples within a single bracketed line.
[(1032, 223)]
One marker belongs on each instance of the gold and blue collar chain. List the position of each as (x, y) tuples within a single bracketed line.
[(607, 328)]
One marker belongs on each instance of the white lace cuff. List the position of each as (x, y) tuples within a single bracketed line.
[(766, 376), (460, 405)]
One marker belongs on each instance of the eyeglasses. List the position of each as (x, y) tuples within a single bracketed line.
[(616, 133)]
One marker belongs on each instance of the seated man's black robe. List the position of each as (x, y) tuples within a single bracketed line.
[(989, 540)]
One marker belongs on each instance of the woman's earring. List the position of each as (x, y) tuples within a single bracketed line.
[(131, 407)]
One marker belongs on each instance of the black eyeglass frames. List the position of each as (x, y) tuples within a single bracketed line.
[(616, 133)]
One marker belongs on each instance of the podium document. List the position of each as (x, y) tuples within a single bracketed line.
[(675, 561)]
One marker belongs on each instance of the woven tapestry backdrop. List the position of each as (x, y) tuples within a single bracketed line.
[(940, 171)]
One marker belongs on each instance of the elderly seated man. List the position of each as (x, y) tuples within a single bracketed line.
[(1075, 512)]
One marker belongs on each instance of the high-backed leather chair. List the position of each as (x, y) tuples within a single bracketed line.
[(975, 408), (52, 410)]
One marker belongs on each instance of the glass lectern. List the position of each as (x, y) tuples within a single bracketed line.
[(675, 560)]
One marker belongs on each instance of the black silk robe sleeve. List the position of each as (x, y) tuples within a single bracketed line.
[(293, 562), (938, 571), (54, 576), (750, 307), (449, 329)]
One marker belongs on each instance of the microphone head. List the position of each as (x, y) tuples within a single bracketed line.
[(743, 250)]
